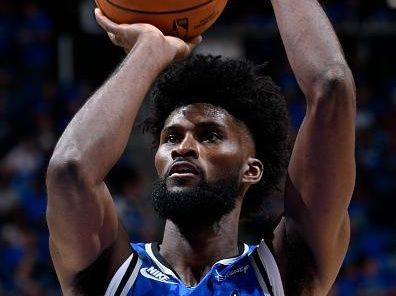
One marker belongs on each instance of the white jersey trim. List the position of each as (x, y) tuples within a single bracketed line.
[(229, 261), (131, 279), (259, 278), (116, 280), (164, 269), (271, 268)]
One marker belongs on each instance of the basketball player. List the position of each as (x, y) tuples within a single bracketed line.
[(221, 135)]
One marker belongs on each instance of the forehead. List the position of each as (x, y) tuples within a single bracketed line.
[(193, 115), (201, 112)]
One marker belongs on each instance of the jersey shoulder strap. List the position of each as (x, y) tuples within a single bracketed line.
[(125, 276), (267, 270)]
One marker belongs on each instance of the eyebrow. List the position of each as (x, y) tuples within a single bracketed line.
[(210, 124), (200, 125)]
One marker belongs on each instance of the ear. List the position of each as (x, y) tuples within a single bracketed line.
[(253, 171)]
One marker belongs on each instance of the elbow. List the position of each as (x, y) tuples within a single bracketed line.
[(65, 171), (335, 84)]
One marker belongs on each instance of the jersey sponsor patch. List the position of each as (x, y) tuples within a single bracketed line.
[(240, 270), (156, 275)]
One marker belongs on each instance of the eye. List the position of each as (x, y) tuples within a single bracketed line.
[(172, 139), (210, 137)]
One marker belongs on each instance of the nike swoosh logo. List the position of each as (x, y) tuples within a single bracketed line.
[(144, 272)]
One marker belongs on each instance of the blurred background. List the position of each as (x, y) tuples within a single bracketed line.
[(53, 56)]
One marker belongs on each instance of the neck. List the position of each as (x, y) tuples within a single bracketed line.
[(192, 253)]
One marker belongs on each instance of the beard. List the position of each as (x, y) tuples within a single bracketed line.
[(199, 207)]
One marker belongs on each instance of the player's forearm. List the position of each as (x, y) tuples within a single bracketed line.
[(96, 137), (312, 46)]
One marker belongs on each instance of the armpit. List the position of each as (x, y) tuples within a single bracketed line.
[(94, 279), (300, 267)]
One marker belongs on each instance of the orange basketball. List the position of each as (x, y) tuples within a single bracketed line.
[(182, 18)]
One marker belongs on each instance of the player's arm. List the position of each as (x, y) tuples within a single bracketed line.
[(81, 215), (322, 166)]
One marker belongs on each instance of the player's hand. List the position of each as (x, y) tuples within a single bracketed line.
[(127, 35)]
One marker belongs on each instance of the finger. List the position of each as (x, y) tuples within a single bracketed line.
[(194, 42), (127, 50), (183, 52), (112, 37), (115, 39), (105, 23)]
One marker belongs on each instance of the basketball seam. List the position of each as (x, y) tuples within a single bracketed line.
[(159, 12)]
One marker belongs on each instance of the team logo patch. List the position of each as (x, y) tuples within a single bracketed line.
[(156, 275)]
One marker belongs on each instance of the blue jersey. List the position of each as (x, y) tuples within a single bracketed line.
[(145, 273)]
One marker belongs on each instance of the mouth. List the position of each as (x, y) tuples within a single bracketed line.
[(183, 168)]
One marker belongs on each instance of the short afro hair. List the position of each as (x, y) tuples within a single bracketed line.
[(235, 86)]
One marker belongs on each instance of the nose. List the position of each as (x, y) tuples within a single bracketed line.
[(186, 148)]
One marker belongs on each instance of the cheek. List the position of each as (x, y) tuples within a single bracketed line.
[(226, 161), (160, 161)]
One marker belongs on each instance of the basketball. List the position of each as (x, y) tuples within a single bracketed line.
[(182, 18)]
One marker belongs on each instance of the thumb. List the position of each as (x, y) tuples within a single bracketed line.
[(195, 41), (186, 48), (106, 23), (191, 44)]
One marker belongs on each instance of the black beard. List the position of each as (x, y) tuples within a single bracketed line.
[(197, 208)]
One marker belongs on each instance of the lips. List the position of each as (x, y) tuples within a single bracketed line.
[(182, 168)]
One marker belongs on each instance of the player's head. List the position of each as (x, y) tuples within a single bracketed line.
[(229, 126)]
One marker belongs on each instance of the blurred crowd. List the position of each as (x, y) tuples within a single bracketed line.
[(35, 107)]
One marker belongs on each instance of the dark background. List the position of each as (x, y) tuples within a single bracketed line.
[(52, 57)]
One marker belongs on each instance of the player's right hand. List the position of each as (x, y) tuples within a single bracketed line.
[(127, 35)]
